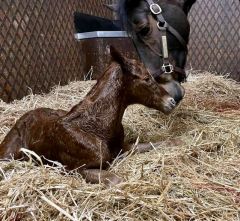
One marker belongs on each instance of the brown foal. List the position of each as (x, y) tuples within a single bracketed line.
[(90, 135)]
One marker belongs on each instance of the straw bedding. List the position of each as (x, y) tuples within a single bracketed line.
[(194, 174)]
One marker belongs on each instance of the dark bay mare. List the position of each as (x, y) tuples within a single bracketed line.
[(155, 26), (150, 23)]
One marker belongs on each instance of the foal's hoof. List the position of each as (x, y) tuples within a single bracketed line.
[(112, 180)]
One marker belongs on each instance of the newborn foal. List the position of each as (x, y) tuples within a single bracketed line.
[(91, 134)]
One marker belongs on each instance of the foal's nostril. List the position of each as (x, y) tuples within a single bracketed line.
[(169, 105), (172, 101)]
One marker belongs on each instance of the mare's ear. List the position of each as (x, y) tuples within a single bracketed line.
[(186, 5), (113, 7)]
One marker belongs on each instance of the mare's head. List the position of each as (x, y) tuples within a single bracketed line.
[(140, 87), (136, 17)]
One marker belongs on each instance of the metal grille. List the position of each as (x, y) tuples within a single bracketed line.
[(215, 36), (38, 49)]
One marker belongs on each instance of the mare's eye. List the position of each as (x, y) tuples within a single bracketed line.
[(144, 31)]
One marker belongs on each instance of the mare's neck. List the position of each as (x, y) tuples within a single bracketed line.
[(102, 109)]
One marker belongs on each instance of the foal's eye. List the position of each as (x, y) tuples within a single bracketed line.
[(144, 31), (147, 79)]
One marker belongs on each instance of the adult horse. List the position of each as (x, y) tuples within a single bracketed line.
[(147, 21), (160, 31)]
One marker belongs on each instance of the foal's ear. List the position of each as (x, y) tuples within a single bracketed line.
[(113, 7), (186, 5), (116, 55), (120, 59)]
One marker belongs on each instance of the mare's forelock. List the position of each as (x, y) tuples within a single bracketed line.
[(124, 9)]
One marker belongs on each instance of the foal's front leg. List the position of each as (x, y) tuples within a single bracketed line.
[(101, 176), (145, 147), (86, 151), (141, 147)]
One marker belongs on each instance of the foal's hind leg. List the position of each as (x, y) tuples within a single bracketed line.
[(29, 132)]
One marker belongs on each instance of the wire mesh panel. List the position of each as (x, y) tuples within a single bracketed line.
[(94, 7), (38, 49), (215, 36)]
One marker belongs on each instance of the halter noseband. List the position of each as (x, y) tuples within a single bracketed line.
[(163, 27)]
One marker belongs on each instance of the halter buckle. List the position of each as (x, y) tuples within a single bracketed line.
[(155, 9), (167, 68)]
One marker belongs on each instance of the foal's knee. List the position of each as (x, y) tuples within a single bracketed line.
[(102, 157)]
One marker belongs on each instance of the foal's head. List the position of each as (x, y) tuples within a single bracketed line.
[(140, 87)]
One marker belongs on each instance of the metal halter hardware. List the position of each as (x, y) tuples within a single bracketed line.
[(161, 27), (167, 68), (159, 9)]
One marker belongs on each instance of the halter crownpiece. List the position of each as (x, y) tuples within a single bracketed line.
[(156, 9)]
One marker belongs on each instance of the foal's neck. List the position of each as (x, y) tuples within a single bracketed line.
[(103, 107)]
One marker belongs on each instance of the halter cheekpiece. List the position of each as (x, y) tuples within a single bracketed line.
[(163, 27)]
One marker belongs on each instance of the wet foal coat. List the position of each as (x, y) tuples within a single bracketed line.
[(91, 134)]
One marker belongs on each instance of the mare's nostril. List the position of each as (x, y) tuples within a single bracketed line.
[(178, 99)]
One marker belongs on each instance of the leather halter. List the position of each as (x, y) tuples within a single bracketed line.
[(163, 26)]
